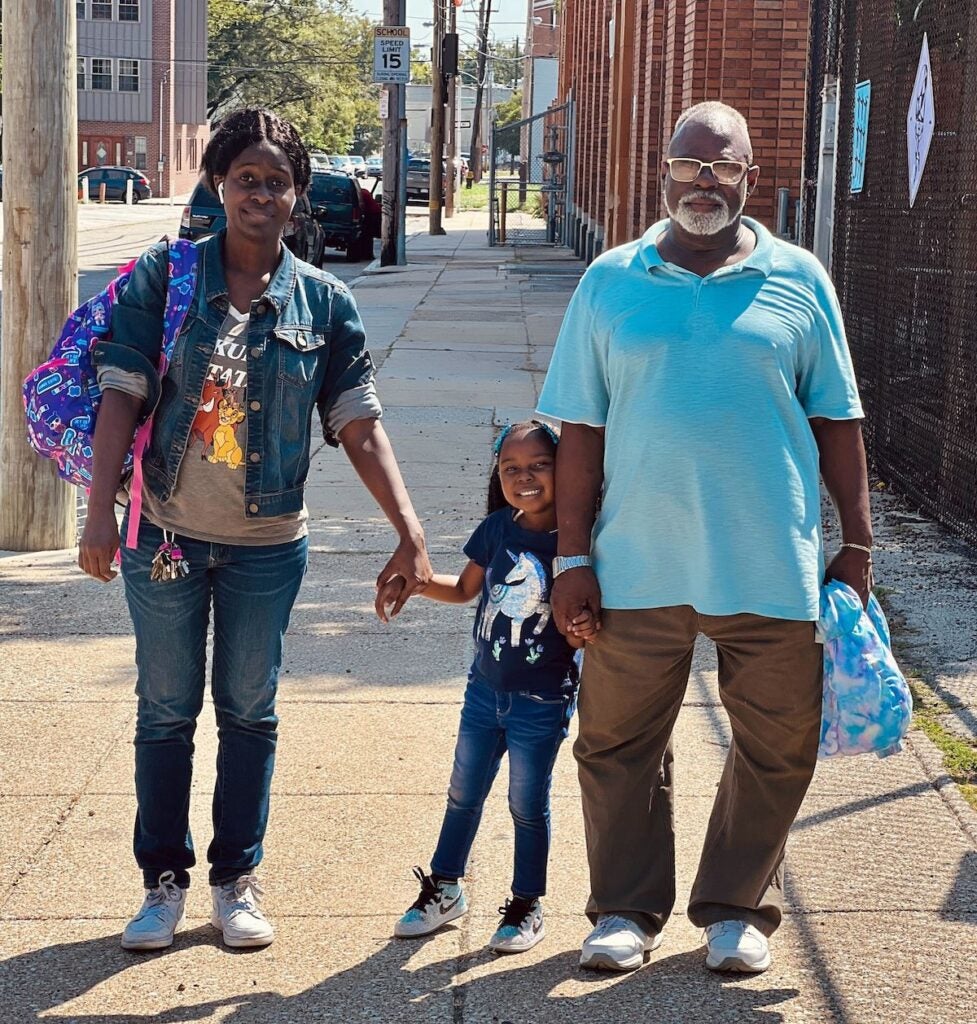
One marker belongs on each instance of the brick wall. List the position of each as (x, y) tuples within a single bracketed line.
[(751, 54)]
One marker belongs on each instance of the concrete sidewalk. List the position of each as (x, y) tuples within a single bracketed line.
[(882, 879)]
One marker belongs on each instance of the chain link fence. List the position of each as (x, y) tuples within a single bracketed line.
[(907, 273)]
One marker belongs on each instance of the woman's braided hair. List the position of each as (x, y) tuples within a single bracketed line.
[(247, 127), (496, 499)]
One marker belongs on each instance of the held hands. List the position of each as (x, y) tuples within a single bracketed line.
[(853, 568), (408, 572), (98, 545), (575, 600)]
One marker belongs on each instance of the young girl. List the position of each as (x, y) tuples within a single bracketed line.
[(520, 694)]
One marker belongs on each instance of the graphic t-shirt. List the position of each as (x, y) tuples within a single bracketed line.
[(208, 500), (517, 644)]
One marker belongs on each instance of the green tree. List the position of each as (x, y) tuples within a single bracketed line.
[(509, 111), (420, 66)]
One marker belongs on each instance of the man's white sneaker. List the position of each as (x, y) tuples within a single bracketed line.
[(159, 916), (736, 946), (617, 944), (437, 904), (236, 913), (522, 927)]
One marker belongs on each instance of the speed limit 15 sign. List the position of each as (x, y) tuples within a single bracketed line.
[(391, 54)]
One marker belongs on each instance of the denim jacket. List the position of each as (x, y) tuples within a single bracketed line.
[(305, 348)]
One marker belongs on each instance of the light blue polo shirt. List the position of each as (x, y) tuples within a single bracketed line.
[(705, 387)]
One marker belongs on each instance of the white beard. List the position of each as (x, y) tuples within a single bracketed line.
[(711, 223)]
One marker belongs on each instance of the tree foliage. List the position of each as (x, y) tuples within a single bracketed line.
[(509, 111), (308, 60)]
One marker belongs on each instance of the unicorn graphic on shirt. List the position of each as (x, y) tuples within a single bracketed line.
[(522, 595)]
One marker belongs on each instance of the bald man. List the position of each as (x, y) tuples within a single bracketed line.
[(702, 377)]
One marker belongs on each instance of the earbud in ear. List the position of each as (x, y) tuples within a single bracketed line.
[(220, 193)]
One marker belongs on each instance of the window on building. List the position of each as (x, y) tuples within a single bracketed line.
[(82, 84), (128, 10), (80, 9), (128, 76), (192, 158), (101, 73), (178, 153), (101, 10), (142, 156)]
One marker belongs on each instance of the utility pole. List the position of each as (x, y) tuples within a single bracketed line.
[(40, 254), (475, 155), (393, 228), (453, 168), (436, 179)]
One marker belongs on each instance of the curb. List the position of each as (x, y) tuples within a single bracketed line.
[(930, 757)]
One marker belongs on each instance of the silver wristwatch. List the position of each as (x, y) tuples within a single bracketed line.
[(563, 562)]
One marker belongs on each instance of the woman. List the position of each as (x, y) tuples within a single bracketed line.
[(267, 341)]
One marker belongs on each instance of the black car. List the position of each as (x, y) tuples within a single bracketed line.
[(204, 215), (341, 213), (114, 179)]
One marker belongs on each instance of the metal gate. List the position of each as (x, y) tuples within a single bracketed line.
[(529, 161)]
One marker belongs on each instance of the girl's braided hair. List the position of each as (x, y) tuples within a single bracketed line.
[(247, 127), (496, 499)]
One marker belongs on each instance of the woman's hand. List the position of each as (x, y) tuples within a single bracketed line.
[(98, 545), (413, 567)]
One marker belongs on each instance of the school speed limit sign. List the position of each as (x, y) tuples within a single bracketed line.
[(391, 54)]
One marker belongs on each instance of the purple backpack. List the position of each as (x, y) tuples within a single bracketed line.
[(62, 396)]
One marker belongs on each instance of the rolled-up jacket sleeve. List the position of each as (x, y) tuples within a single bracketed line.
[(348, 391), (136, 336)]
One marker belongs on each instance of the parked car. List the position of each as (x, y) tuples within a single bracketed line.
[(339, 209), (114, 179), (419, 178), (374, 167), (204, 215), (359, 166), (341, 163)]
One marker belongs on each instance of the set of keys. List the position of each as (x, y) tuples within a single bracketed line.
[(168, 562)]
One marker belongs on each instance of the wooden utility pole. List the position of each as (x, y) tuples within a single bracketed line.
[(40, 254), (475, 154), (393, 229), (436, 179), (452, 182)]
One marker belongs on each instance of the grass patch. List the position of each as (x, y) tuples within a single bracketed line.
[(474, 198), (959, 755)]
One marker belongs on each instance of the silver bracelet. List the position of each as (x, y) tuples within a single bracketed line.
[(857, 547)]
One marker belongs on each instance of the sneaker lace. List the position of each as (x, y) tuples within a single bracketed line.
[(166, 890), (514, 912), (429, 891), (246, 891), (609, 923)]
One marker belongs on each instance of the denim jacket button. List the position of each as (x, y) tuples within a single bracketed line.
[(255, 406), (252, 507), (256, 352), (254, 457), (261, 308)]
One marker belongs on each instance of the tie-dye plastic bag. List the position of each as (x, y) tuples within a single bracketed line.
[(866, 706)]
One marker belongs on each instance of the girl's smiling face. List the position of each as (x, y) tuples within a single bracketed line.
[(259, 192), (527, 466)]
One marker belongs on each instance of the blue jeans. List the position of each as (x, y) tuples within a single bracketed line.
[(252, 590), (531, 726)]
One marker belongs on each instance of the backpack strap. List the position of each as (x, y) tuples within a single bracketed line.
[(181, 280)]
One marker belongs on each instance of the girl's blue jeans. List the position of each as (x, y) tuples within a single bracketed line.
[(530, 726), (251, 591)]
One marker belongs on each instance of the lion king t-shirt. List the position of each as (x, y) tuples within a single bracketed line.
[(517, 644)]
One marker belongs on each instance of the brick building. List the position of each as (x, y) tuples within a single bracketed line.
[(632, 66), (142, 88)]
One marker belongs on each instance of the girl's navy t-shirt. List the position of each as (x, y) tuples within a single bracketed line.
[(517, 644)]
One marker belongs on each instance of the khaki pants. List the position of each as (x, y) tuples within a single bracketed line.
[(634, 679)]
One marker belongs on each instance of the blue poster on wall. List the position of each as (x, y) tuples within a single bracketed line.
[(859, 138)]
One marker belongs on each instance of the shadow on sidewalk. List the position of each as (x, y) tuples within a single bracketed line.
[(383, 987)]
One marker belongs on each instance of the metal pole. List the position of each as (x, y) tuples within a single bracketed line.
[(436, 178), (40, 257), (393, 227), (159, 152), (454, 171)]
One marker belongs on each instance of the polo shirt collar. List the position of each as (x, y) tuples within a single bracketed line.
[(761, 259)]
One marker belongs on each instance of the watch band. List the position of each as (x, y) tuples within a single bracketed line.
[(563, 562)]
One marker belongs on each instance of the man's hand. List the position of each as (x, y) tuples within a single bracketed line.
[(98, 545), (853, 568), (388, 596), (575, 600), (411, 563)]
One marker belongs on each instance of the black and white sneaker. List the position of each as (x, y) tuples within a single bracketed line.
[(437, 904), (522, 926)]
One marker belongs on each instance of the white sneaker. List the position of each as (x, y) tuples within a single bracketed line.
[(236, 913), (436, 905), (159, 916), (736, 946), (522, 927), (617, 944)]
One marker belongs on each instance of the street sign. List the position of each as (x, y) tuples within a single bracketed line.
[(464, 124), (920, 120), (859, 139), (391, 54)]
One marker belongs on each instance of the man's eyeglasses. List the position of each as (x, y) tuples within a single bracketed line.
[(726, 172)]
